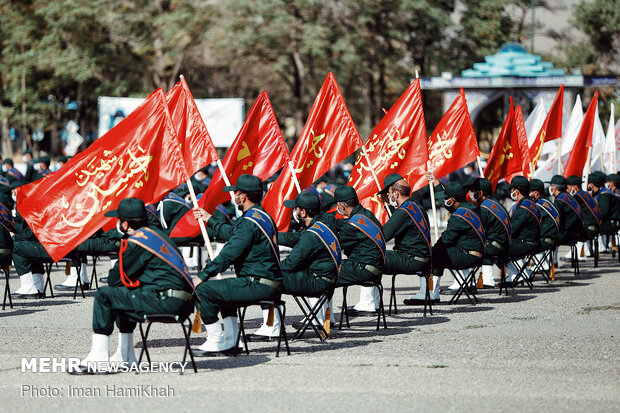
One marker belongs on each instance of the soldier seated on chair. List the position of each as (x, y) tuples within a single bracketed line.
[(590, 209), (313, 264), (150, 277), (550, 223), (361, 238), (252, 248), (571, 217), (497, 227), (526, 221), (461, 245)]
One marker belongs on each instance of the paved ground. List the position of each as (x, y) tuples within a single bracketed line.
[(555, 348)]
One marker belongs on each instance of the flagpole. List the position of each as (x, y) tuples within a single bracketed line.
[(560, 156), (294, 175), (374, 175), (201, 223), (434, 207), (227, 182), (480, 166), (613, 153), (588, 166)]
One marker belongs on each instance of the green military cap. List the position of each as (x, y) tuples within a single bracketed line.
[(63, 159), (537, 185), (521, 183), (558, 180), (9, 161), (597, 178), (44, 159), (27, 152), (481, 184), (246, 183), (390, 180), (454, 189), (345, 193), (615, 178), (573, 180), (305, 200), (128, 208), (328, 201)]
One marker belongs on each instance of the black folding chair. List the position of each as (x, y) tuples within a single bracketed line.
[(467, 285), (520, 274), (7, 287), (539, 262), (281, 312), (310, 313), (167, 319), (428, 303), (344, 312)]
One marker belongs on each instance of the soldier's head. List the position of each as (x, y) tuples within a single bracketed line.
[(248, 192), (43, 163), (455, 194), (557, 186), (396, 190), (573, 184), (346, 200), (537, 189), (612, 182), (27, 156), (519, 188), (479, 189), (131, 214), (305, 206), (596, 180)]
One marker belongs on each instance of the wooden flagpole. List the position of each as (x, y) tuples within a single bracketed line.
[(294, 175), (374, 175)]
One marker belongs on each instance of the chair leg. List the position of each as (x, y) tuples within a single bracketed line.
[(393, 297), (343, 311), (282, 314), (145, 349), (242, 330), (187, 334), (427, 297), (78, 282), (48, 281), (93, 275), (382, 308), (7, 289)]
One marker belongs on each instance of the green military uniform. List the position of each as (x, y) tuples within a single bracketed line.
[(30, 171), (549, 227), (608, 203), (162, 289), (251, 253), (365, 259), (310, 268), (525, 222), (172, 209), (459, 246), (571, 223), (25, 248), (591, 222)]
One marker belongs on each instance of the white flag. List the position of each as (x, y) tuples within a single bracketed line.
[(598, 141), (610, 150), (534, 122), (549, 168)]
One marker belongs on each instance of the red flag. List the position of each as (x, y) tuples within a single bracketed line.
[(139, 157), (328, 137), (510, 150), (396, 145), (453, 143), (550, 130), (258, 149), (196, 144), (581, 149)]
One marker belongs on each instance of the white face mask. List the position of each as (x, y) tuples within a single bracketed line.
[(449, 204), (607, 184), (551, 191), (37, 167), (14, 197), (341, 211), (472, 195), (393, 202), (4, 168), (572, 191), (237, 204), (296, 216), (514, 195)]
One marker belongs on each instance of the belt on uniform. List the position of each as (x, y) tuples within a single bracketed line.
[(5, 251), (421, 259), (329, 280), (527, 242), (549, 240), (180, 294), (474, 253), (267, 281), (497, 245), (591, 228), (372, 269)]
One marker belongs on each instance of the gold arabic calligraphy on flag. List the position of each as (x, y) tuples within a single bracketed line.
[(104, 179)]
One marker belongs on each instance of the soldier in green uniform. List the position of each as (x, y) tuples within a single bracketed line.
[(10, 172), (362, 240), (526, 220), (409, 228), (591, 214), (609, 205), (149, 278), (550, 223), (252, 248), (461, 245), (30, 171), (25, 247), (571, 216), (313, 264), (497, 227), (6, 226), (42, 168)]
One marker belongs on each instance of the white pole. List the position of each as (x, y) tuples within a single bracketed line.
[(201, 223), (480, 166), (227, 182), (294, 175), (432, 188), (374, 175), (560, 156)]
